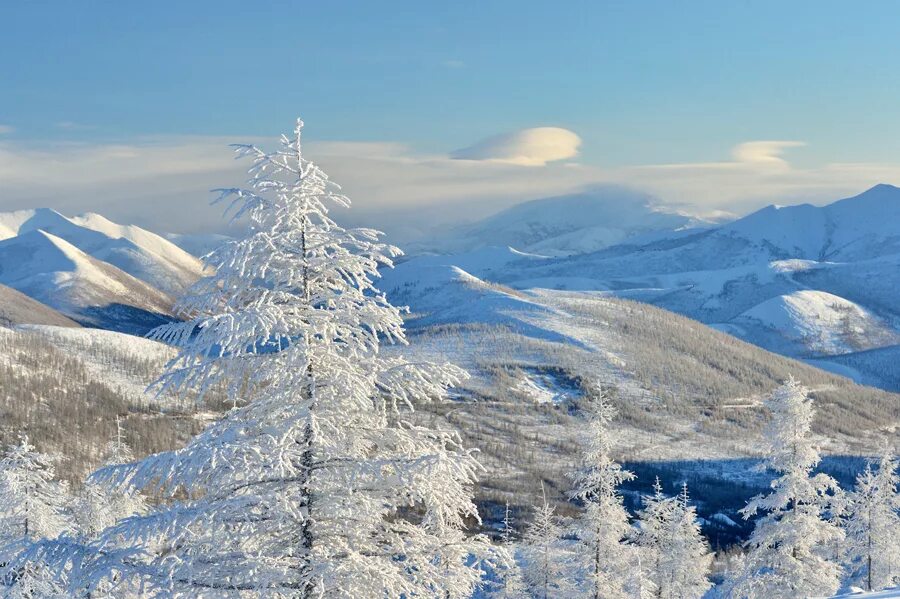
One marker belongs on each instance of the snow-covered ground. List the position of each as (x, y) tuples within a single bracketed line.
[(860, 594)]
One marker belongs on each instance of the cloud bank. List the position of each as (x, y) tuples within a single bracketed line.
[(163, 183), (526, 147)]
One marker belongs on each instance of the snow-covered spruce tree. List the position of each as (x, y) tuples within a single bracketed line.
[(33, 506), (97, 506), (691, 555), (603, 527), (787, 554), (654, 533), (548, 563), (637, 585), (510, 583), (873, 527), (315, 485), (677, 557)]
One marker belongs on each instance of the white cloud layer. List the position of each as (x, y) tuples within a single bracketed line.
[(164, 183), (526, 147)]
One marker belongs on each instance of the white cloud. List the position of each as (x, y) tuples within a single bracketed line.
[(5, 129), (526, 147), (453, 64), (764, 152)]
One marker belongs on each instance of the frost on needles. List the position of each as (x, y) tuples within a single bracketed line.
[(315, 484)]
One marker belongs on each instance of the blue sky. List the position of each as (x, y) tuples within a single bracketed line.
[(640, 83)]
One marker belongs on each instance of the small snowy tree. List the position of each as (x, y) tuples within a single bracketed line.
[(32, 503), (873, 527), (690, 555), (603, 526), (547, 568), (654, 533), (33, 507), (510, 584), (316, 484), (787, 553), (637, 585), (98, 505)]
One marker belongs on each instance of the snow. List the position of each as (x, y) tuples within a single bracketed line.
[(859, 594), (723, 519), (18, 308), (197, 244)]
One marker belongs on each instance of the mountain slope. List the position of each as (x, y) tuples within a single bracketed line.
[(17, 308), (138, 252), (91, 292)]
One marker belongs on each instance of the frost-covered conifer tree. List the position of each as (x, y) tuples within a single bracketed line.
[(691, 556), (316, 484), (33, 506), (603, 527), (510, 584), (97, 505), (677, 557), (547, 570), (788, 551), (637, 585), (873, 527), (654, 533)]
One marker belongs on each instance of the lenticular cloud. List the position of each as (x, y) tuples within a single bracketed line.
[(528, 147)]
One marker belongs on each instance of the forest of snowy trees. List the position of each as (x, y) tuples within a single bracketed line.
[(317, 482)]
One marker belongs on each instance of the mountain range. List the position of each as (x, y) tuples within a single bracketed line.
[(817, 283), (92, 270)]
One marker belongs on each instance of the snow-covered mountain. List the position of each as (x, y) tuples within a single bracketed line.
[(51, 270), (138, 252), (801, 280), (566, 225)]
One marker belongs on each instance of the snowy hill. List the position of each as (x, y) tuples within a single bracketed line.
[(140, 253), (815, 321), (90, 291), (565, 225), (17, 308)]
